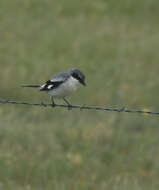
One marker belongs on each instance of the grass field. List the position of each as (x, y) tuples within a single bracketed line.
[(116, 44)]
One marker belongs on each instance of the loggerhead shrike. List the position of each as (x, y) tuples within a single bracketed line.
[(62, 84)]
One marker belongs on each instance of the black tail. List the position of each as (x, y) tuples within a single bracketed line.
[(31, 86)]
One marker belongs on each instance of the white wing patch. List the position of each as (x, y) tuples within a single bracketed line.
[(42, 86), (50, 86)]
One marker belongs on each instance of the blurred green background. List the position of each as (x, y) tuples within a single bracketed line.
[(116, 45)]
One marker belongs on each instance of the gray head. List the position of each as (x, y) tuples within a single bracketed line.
[(78, 75)]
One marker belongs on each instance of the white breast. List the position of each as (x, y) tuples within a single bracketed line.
[(65, 88)]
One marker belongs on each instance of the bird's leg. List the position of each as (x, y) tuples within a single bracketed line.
[(52, 101), (69, 105)]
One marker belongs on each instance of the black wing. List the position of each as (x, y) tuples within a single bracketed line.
[(50, 85)]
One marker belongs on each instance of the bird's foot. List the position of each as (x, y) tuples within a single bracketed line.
[(69, 107), (68, 104), (43, 104), (53, 105), (122, 109)]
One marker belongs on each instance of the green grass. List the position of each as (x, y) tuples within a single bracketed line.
[(115, 43)]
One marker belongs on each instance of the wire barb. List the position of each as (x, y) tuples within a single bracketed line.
[(123, 109)]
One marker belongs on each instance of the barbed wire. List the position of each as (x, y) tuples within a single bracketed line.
[(84, 107)]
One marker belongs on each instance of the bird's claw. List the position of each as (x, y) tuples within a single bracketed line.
[(43, 104), (53, 105), (122, 109), (69, 107)]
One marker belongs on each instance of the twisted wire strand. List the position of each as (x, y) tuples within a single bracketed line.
[(122, 109)]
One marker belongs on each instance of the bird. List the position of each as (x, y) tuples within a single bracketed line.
[(61, 84)]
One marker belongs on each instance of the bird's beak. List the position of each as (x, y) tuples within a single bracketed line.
[(83, 83)]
